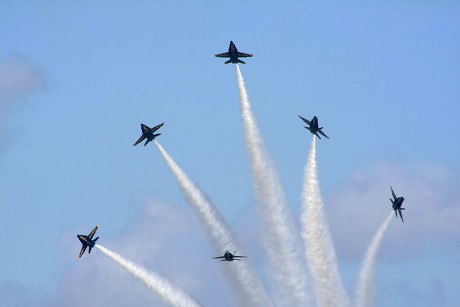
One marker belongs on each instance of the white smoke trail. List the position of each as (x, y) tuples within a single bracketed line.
[(282, 241), (319, 250), (245, 279), (165, 289), (365, 287)]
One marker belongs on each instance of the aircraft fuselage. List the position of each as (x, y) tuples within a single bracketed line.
[(147, 132), (314, 125), (233, 53), (228, 256), (85, 240), (397, 203)]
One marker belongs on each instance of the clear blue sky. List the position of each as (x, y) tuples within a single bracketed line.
[(383, 79)]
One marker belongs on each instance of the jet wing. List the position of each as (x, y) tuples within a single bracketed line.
[(322, 133), (305, 120), (83, 248), (394, 195), (400, 214), (240, 257), (223, 55), (220, 257), (91, 235), (244, 55), (139, 140), (156, 127)]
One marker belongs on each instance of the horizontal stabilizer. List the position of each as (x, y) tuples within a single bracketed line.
[(239, 61), (228, 62)]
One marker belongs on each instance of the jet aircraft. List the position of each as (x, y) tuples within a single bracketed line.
[(397, 203), (229, 257), (233, 54), (148, 133), (313, 126), (87, 241)]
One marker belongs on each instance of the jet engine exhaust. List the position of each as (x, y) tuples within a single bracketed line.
[(165, 289), (365, 286), (319, 250), (244, 277), (281, 238)]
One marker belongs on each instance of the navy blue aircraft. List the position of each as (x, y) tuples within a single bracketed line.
[(397, 203), (313, 126), (233, 54), (87, 241), (148, 133), (229, 257)]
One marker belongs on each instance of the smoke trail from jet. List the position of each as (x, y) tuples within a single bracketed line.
[(365, 286), (282, 241), (245, 278), (165, 289), (319, 250)]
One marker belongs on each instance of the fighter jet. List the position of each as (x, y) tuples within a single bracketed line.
[(148, 133), (87, 241), (229, 257), (397, 203), (313, 126), (233, 54)]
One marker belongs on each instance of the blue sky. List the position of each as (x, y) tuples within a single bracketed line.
[(383, 79)]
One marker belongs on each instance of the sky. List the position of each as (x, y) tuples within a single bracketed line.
[(77, 79)]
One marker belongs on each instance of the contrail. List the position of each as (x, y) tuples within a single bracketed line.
[(365, 287), (319, 250), (165, 289), (282, 241), (245, 279)]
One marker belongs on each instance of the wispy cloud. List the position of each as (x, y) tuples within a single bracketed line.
[(166, 239), (432, 194), (19, 77)]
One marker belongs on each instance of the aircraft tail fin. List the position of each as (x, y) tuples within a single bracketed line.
[(95, 239), (228, 62), (146, 142), (89, 250), (155, 135), (239, 61)]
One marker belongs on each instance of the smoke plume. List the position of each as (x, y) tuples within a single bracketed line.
[(319, 249), (244, 278), (282, 241), (365, 287), (165, 289)]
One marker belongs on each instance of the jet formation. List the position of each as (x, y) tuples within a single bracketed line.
[(233, 54), (148, 133), (229, 257), (397, 203), (87, 241), (313, 126)]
